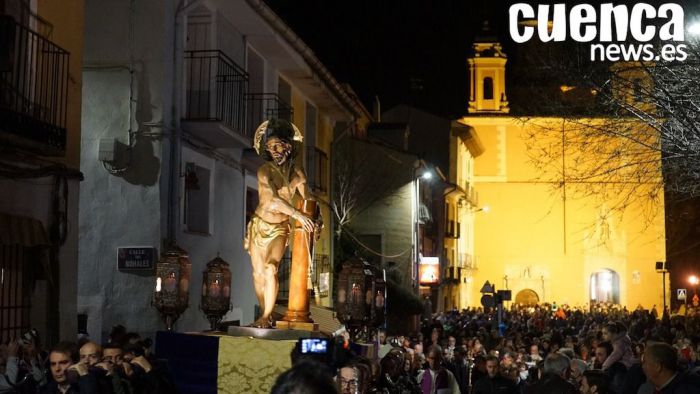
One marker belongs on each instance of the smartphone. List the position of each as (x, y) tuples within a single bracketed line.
[(314, 346)]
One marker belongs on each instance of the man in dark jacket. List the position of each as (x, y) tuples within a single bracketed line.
[(494, 383), (68, 375), (660, 365), (554, 379)]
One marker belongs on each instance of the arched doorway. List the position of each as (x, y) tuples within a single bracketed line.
[(527, 297), (605, 287)]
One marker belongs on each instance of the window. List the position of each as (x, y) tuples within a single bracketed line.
[(488, 89), (251, 203), (310, 125), (256, 72), (605, 287), (317, 169), (14, 291), (197, 185), (284, 91), (199, 31)]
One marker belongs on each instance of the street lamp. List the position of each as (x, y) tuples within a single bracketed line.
[(694, 29), (426, 175)]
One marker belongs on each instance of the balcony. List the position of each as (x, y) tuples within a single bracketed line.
[(466, 261), (471, 194), (33, 90), (317, 169), (321, 265), (215, 95), (453, 275), (264, 106)]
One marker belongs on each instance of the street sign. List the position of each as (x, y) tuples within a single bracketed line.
[(487, 301), (504, 295), (136, 259), (681, 294), (486, 288)]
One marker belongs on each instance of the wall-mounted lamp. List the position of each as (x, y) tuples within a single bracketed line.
[(484, 209), (191, 178), (114, 156)]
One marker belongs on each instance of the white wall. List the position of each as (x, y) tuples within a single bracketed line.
[(226, 239), (126, 209), (130, 209)]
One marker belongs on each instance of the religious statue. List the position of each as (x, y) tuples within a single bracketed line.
[(279, 181)]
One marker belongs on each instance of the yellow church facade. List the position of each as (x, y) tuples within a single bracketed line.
[(548, 236)]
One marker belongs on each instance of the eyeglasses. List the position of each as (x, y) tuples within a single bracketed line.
[(348, 383)]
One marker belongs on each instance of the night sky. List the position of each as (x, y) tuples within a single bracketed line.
[(411, 52)]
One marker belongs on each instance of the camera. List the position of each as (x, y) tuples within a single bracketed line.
[(29, 337), (314, 345), (327, 351)]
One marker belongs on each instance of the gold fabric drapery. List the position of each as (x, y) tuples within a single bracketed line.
[(248, 365)]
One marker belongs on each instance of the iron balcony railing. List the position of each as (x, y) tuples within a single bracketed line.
[(321, 265), (317, 169), (471, 194), (33, 88), (467, 261), (264, 106), (216, 89), (453, 275), (283, 272)]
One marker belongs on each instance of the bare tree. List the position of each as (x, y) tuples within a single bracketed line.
[(365, 173), (626, 130)]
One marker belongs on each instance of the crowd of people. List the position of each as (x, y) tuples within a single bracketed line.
[(540, 349), (123, 365)]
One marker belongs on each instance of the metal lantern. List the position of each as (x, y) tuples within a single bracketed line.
[(355, 294), (171, 296), (216, 291)]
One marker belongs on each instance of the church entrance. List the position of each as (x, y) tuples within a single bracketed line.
[(605, 287), (527, 297)]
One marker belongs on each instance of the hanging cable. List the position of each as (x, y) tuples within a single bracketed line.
[(374, 251)]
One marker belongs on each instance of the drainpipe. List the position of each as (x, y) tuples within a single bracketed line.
[(176, 140)]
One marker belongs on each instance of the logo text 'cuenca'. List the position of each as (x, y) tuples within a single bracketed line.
[(613, 27), (586, 23)]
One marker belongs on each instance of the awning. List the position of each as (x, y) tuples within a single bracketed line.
[(20, 230)]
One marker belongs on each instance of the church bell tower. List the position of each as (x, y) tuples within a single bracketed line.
[(487, 75)]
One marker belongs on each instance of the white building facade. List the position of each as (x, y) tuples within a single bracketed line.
[(172, 93)]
